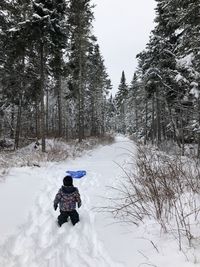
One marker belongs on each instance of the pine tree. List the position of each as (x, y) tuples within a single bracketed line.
[(79, 20), (98, 87), (59, 43), (189, 67), (169, 72), (120, 99), (110, 117), (48, 52), (48, 35), (122, 91), (14, 48), (158, 64), (133, 105)]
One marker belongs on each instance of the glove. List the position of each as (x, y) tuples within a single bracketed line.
[(79, 204), (55, 206)]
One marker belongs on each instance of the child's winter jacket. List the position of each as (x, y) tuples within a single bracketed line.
[(67, 197)]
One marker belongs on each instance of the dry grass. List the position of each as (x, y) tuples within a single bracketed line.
[(57, 150), (163, 188)]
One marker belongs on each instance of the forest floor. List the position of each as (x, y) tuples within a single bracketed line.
[(29, 235)]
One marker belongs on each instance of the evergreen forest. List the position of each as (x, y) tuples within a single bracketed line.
[(54, 83), (162, 103)]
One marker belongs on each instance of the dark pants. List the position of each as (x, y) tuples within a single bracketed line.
[(63, 217)]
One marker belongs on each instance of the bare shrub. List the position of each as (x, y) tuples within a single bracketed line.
[(162, 188), (170, 147), (107, 139), (91, 143), (56, 150), (3, 174)]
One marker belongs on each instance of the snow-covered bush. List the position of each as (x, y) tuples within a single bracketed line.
[(6, 144), (165, 189), (56, 150)]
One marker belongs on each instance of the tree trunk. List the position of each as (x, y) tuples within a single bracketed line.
[(163, 121), (93, 121), (174, 125), (158, 118), (59, 92), (19, 112), (103, 117), (12, 121), (153, 120), (136, 117), (66, 124), (80, 117), (59, 98), (37, 131), (18, 125), (146, 118), (80, 100), (198, 149), (47, 112), (42, 96), (182, 135)]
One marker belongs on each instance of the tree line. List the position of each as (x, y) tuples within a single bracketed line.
[(53, 81), (162, 102)]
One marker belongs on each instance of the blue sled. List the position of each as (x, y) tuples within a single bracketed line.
[(76, 174)]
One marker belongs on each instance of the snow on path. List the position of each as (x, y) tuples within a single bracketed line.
[(39, 242), (17, 195), (29, 236)]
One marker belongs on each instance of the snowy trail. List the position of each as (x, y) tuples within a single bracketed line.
[(39, 242)]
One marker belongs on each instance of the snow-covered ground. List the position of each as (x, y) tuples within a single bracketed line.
[(30, 237)]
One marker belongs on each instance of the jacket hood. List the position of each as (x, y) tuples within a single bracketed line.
[(68, 189)]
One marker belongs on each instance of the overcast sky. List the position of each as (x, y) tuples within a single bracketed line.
[(122, 29)]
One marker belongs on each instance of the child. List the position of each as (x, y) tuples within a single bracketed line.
[(67, 197)]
